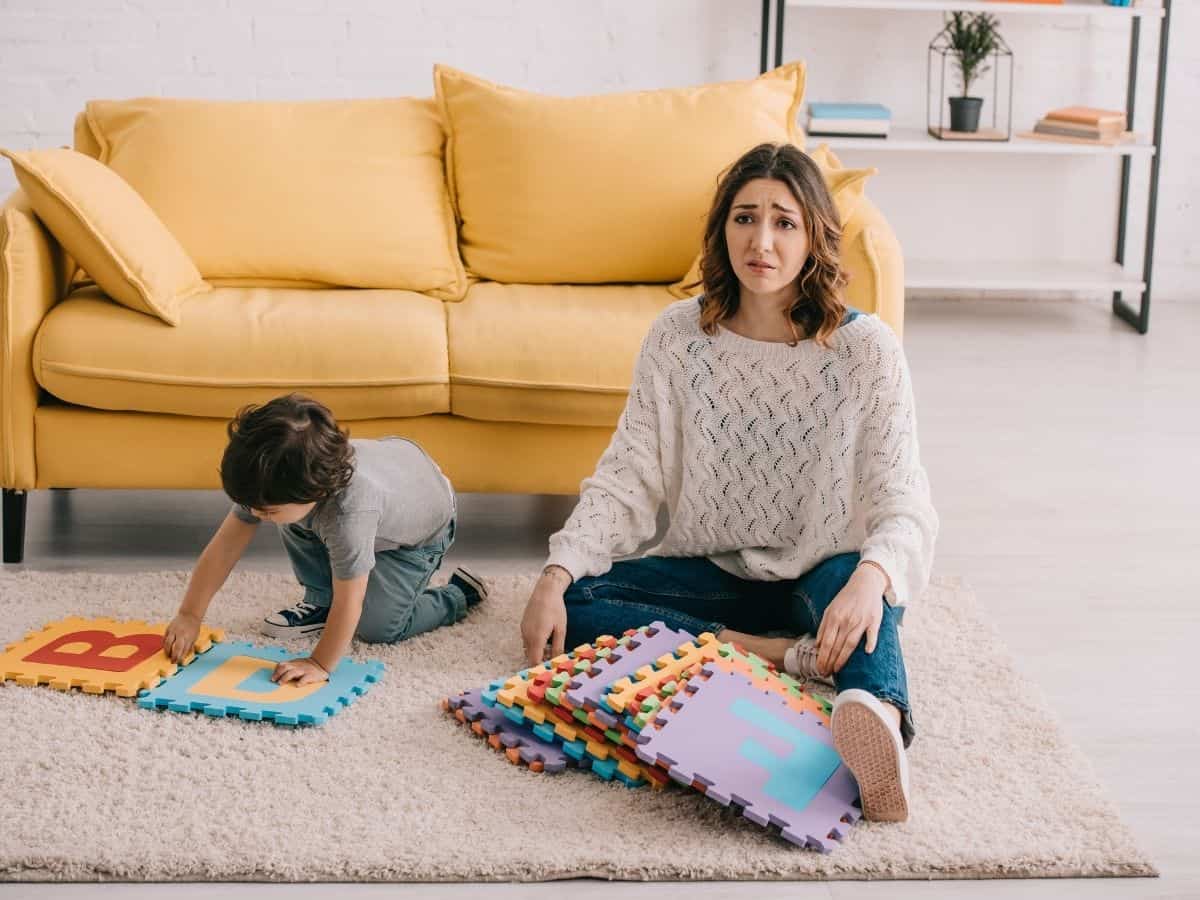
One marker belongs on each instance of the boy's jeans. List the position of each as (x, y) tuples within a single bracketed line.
[(696, 595), (399, 601)]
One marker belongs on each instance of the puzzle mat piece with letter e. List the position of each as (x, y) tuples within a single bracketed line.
[(652, 688), (234, 679), (754, 750), (96, 655), (648, 669), (574, 693), (517, 741), (632, 690)]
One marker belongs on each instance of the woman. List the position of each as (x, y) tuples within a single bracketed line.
[(778, 428)]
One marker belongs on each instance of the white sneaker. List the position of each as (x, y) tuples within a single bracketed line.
[(872, 749)]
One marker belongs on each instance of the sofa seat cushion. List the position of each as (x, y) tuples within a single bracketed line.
[(547, 354), (365, 353)]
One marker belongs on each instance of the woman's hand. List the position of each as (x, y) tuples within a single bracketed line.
[(545, 616), (855, 611), (180, 637), (303, 670)]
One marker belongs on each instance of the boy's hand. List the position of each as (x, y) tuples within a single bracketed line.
[(180, 637), (304, 670)]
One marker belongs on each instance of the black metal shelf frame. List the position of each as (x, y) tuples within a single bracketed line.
[(1138, 317)]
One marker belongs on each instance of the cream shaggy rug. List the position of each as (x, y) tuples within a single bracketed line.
[(392, 789)]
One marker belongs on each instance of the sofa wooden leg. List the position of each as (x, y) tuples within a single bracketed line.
[(14, 525)]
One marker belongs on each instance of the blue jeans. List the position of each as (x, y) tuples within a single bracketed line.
[(399, 602), (696, 595)]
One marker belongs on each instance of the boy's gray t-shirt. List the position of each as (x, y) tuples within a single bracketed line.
[(397, 497)]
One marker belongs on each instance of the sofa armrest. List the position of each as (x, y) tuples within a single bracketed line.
[(872, 255), (33, 271)]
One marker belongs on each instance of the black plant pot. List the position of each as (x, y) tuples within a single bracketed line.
[(964, 113)]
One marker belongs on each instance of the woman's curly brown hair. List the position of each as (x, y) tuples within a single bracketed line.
[(819, 309), (289, 450)]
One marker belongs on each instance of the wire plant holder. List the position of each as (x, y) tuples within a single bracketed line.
[(942, 56)]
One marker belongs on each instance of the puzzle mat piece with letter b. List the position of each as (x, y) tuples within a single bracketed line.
[(754, 750), (96, 655), (234, 679)]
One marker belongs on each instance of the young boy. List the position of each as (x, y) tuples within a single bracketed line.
[(365, 523)]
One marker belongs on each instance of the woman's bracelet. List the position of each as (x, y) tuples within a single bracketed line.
[(887, 580), (553, 567)]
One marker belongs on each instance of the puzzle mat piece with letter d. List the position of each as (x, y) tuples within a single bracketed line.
[(234, 679), (754, 750), (96, 655)]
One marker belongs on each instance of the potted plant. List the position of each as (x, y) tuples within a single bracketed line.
[(973, 38)]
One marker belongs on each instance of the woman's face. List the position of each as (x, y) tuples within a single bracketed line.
[(767, 240)]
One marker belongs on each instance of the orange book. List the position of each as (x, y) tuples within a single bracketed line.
[(1088, 115)]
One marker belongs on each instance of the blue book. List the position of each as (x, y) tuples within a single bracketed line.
[(848, 111)]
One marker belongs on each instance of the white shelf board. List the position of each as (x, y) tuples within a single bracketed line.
[(1019, 276), (916, 139), (1069, 8)]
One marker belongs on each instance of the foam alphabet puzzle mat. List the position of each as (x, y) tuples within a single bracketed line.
[(754, 749), (517, 741), (234, 679), (96, 655)]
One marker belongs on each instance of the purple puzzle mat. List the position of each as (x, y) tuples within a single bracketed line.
[(530, 747), (751, 748), (587, 689)]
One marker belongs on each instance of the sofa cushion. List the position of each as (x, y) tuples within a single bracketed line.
[(367, 354), (102, 222), (339, 192), (554, 355), (601, 189)]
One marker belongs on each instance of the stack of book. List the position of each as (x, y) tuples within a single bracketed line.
[(848, 120), (1086, 123)]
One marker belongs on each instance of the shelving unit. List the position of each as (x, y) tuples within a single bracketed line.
[(1116, 277)]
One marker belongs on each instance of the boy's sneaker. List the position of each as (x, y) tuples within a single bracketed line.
[(470, 584), (871, 747), (800, 661), (295, 621)]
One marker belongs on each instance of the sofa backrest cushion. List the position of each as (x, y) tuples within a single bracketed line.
[(337, 192), (598, 189), (102, 222)]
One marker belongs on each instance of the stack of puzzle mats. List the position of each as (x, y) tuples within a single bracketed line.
[(658, 705)]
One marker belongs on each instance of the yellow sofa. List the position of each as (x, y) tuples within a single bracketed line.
[(474, 271)]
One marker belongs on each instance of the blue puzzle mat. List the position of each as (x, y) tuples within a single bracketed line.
[(234, 679)]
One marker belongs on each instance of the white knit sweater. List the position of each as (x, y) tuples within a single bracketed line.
[(769, 458)]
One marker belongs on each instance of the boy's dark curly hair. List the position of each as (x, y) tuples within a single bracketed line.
[(288, 450)]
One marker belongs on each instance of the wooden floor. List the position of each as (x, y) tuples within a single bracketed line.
[(1062, 449)]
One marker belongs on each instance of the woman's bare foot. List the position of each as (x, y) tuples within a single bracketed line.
[(770, 649)]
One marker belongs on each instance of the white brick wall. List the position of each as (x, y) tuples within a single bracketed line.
[(56, 54)]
